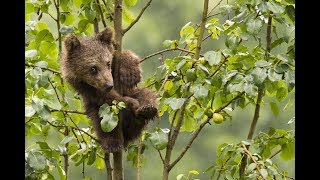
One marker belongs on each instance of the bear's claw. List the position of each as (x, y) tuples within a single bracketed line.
[(147, 111)]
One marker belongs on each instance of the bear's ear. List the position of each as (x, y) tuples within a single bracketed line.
[(71, 42), (106, 36)]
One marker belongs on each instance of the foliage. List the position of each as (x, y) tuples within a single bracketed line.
[(191, 90)]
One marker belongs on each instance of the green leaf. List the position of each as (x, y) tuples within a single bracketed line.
[(200, 91), (290, 11), (166, 43), (99, 163), (85, 2), (130, 3), (287, 151), (259, 75), (29, 8), (254, 26), (180, 176), (186, 29), (181, 64), (274, 107), (64, 5), (160, 73), (104, 110), (168, 85), (42, 64), (175, 103), (189, 124), (53, 103), (66, 139), (83, 25), (203, 69), (92, 157), (71, 100), (250, 89), (159, 139), (213, 57), (275, 7), (109, 122), (281, 94), (251, 167), (264, 173), (194, 172), (90, 14), (262, 63), (37, 161), (277, 42), (62, 173), (44, 35), (127, 16), (67, 19), (77, 3), (66, 30), (232, 42), (29, 111), (291, 1), (30, 53), (273, 75)]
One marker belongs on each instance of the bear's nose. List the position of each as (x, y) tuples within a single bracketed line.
[(108, 86)]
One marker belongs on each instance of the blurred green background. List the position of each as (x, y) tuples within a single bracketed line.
[(163, 20)]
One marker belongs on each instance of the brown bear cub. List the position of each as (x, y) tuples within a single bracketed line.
[(86, 65)]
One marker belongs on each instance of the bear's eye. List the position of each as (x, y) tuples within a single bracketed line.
[(93, 70), (109, 65)]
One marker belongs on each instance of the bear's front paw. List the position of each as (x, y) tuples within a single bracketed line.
[(111, 145), (132, 103), (147, 111)]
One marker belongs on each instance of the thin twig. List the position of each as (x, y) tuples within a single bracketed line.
[(138, 17), (101, 13), (202, 28), (161, 156), (222, 168), (254, 160), (277, 152), (48, 69), (166, 50), (139, 159), (215, 7), (68, 111), (57, 6)]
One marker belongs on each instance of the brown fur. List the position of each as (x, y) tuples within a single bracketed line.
[(78, 58)]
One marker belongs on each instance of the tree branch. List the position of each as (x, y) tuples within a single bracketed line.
[(215, 7), (138, 17), (202, 27), (161, 156), (277, 152), (101, 13), (95, 26), (196, 133), (108, 165), (57, 6), (259, 99), (166, 50), (68, 111), (117, 156), (139, 159), (48, 69), (248, 153)]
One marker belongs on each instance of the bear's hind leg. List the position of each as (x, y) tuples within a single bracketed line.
[(108, 140)]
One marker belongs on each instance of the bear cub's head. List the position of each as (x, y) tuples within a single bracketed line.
[(88, 60)]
